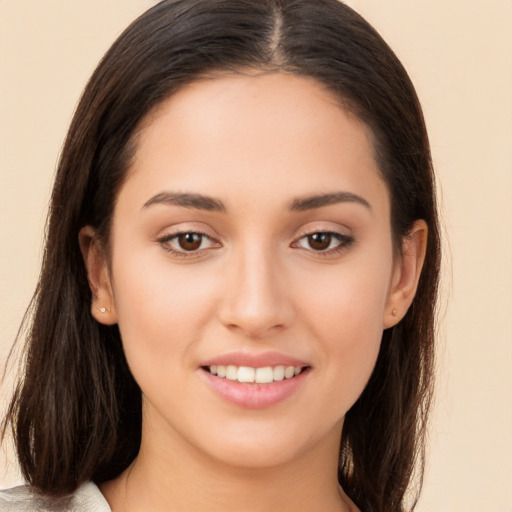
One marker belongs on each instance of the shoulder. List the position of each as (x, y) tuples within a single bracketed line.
[(87, 498)]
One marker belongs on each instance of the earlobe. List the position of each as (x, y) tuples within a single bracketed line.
[(98, 275), (406, 274)]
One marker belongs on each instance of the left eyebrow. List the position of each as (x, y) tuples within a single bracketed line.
[(320, 200), (196, 201)]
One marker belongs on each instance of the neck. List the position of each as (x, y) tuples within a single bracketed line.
[(186, 480)]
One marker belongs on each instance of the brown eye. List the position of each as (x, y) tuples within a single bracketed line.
[(320, 241), (190, 241), (324, 242)]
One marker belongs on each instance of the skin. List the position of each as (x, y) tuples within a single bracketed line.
[(256, 283)]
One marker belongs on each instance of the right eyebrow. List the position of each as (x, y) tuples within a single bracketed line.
[(319, 201), (188, 200)]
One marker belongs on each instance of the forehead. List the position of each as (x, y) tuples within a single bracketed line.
[(255, 135)]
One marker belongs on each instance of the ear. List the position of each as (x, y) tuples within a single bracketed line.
[(406, 274), (98, 274)]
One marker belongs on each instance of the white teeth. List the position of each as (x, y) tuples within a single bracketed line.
[(279, 373), (264, 375), (246, 374), (289, 372), (231, 372)]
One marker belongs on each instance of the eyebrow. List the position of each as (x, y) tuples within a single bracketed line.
[(188, 200), (320, 200), (201, 202)]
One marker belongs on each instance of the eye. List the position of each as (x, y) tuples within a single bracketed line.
[(324, 241), (187, 242)]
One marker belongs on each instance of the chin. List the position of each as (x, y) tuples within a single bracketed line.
[(254, 446)]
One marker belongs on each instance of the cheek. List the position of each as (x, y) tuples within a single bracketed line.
[(162, 310), (348, 301), (344, 312)]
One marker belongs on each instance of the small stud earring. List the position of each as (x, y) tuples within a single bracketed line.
[(103, 310), (394, 312)]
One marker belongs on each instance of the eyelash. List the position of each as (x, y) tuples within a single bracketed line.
[(345, 241), (165, 240)]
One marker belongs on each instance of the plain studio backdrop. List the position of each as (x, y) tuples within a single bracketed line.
[(459, 55)]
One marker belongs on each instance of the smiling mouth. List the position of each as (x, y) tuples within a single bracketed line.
[(247, 374)]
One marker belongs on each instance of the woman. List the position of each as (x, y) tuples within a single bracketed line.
[(236, 306)]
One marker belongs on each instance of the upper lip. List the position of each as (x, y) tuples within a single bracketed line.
[(254, 360)]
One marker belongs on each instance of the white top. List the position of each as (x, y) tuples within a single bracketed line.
[(87, 498)]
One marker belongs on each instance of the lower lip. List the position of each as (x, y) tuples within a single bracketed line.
[(255, 396)]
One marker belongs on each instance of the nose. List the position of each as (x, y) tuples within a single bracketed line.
[(256, 302)]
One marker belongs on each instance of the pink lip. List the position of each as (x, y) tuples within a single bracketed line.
[(254, 396), (249, 395), (254, 360)]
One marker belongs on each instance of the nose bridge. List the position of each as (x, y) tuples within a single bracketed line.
[(256, 301)]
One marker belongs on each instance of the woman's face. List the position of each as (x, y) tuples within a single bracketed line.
[(251, 237)]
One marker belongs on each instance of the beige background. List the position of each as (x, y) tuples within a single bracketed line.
[(459, 54)]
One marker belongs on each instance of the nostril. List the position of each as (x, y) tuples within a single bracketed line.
[(258, 328)]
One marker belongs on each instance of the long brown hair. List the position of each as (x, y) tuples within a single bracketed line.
[(76, 412)]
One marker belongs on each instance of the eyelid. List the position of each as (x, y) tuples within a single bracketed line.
[(168, 237), (345, 240), (181, 228), (323, 227)]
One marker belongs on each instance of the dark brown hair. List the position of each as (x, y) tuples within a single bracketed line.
[(76, 412)]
